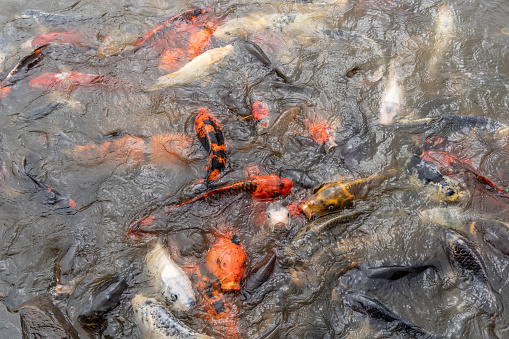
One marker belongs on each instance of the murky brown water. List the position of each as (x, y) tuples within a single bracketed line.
[(338, 63)]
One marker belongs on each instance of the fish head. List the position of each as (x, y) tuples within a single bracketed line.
[(278, 216), (449, 190), (227, 260), (177, 292), (220, 54), (327, 199)]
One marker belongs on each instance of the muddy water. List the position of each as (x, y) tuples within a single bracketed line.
[(338, 64)]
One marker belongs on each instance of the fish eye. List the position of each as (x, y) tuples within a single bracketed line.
[(449, 192), (174, 297), (268, 215), (288, 214), (330, 207)]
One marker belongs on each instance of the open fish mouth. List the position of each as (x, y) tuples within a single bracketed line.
[(305, 208)]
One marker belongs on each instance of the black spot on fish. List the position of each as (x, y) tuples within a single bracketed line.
[(219, 306), (235, 240)]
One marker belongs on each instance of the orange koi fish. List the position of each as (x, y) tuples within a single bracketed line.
[(221, 309), (170, 29), (448, 164), (261, 187), (160, 151), (321, 132), (210, 133), (199, 40), (260, 113), (73, 37), (68, 81), (226, 260), (172, 58)]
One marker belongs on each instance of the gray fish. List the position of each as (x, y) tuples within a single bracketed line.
[(40, 318), (467, 262), (50, 20), (155, 321), (374, 309), (105, 299), (306, 241)]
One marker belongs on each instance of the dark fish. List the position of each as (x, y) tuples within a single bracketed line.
[(395, 272), (40, 318), (299, 177), (258, 275), (258, 52), (374, 309), (306, 241), (105, 299), (467, 262), (449, 124), (50, 196), (494, 232), (72, 265)]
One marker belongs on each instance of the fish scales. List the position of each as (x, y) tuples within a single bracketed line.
[(157, 322), (468, 262), (374, 309)]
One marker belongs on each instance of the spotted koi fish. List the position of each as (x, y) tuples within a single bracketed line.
[(262, 187), (170, 28), (448, 164), (334, 196), (210, 133)]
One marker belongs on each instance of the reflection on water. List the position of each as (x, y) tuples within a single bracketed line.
[(401, 86)]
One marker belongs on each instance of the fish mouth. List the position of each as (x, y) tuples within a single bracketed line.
[(278, 225), (330, 145), (305, 208), (230, 285)]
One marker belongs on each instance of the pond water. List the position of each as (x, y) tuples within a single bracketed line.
[(339, 58)]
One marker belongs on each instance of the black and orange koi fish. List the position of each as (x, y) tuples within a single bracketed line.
[(210, 133)]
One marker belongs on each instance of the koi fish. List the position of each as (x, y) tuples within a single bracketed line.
[(72, 37), (259, 275), (449, 164), (171, 281), (69, 81), (260, 113), (494, 232), (465, 259), (172, 58), (200, 68), (40, 318), (438, 186), (169, 29), (210, 133), (305, 242), (321, 132), (222, 310), (226, 260), (51, 196), (155, 321), (334, 196), (115, 43), (261, 187), (71, 269), (199, 40), (161, 150), (105, 299), (28, 63), (278, 217), (444, 31), (374, 309), (391, 98)]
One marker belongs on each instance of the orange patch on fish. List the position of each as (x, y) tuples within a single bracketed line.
[(72, 37), (321, 132), (171, 59), (199, 40), (127, 149), (227, 261), (166, 148)]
